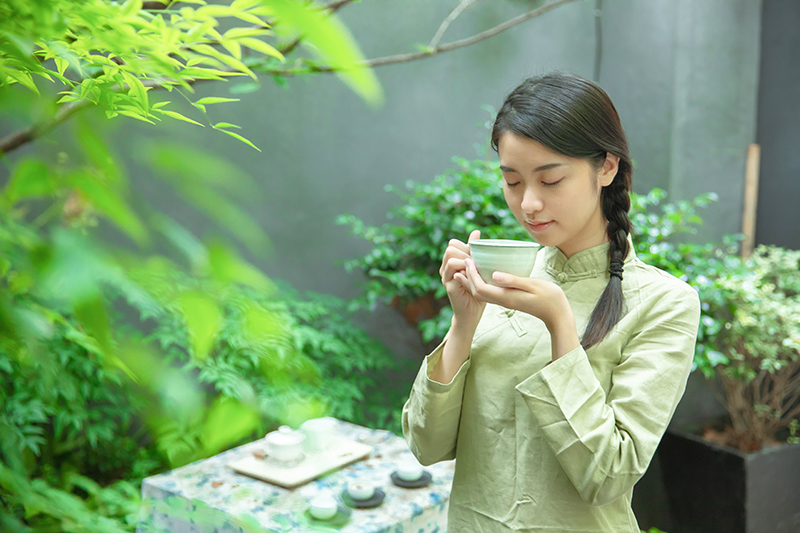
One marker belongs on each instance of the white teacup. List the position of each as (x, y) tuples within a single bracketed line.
[(503, 255), (318, 432), (323, 507), (409, 471), (360, 491)]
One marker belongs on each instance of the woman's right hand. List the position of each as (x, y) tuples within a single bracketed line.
[(467, 309)]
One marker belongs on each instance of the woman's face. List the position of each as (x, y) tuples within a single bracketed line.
[(556, 198)]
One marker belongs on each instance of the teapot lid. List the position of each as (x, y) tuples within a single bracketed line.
[(285, 436)]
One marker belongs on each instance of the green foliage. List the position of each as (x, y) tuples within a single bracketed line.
[(111, 54)]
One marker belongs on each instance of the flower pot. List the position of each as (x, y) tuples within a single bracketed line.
[(712, 488)]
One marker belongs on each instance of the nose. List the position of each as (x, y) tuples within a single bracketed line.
[(531, 201)]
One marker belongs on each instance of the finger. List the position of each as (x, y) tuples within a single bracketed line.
[(452, 266), (474, 236), (510, 281), (459, 251)]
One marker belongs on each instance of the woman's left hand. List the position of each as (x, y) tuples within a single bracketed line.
[(543, 299)]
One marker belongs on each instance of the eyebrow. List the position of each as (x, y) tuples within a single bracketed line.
[(537, 169)]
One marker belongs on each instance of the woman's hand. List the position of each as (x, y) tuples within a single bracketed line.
[(543, 299), (467, 309)]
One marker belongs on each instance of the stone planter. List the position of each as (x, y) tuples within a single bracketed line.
[(717, 489)]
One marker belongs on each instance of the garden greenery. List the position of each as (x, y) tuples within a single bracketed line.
[(128, 345), (749, 333)]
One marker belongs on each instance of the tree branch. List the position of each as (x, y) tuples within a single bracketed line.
[(449, 20), (404, 58), (31, 133)]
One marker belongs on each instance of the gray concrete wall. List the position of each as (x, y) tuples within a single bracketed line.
[(682, 74)]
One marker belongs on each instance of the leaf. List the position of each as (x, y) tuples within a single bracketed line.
[(228, 267), (203, 320), (30, 178), (137, 116), (220, 125), (92, 314), (176, 115), (239, 137), (244, 88), (233, 47), (333, 43), (108, 200), (228, 422), (215, 100), (261, 46), (97, 152), (23, 78)]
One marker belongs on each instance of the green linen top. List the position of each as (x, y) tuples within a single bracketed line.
[(558, 447)]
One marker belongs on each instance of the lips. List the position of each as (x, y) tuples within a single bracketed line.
[(539, 226)]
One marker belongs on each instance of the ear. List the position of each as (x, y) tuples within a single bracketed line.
[(609, 170)]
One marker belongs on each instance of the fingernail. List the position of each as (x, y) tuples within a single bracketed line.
[(499, 277)]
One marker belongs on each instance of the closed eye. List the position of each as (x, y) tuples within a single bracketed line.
[(512, 184), (550, 184)]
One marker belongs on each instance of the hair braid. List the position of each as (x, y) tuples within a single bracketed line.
[(616, 203), (575, 117)]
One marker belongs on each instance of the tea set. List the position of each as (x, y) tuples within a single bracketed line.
[(288, 448)]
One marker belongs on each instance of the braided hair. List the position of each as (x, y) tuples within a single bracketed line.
[(575, 117)]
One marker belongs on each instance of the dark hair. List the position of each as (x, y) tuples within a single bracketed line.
[(575, 117)]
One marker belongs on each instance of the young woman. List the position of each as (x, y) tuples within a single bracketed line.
[(552, 391)]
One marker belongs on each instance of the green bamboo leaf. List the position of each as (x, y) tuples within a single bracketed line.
[(220, 125), (205, 73), (233, 47), (215, 100), (261, 46), (239, 137), (239, 33), (333, 43), (137, 116), (176, 115)]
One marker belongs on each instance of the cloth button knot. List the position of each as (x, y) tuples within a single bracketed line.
[(562, 277)]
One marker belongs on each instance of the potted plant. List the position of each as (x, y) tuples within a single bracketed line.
[(742, 473)]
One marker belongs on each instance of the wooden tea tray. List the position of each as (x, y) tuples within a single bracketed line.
[(340, 452)]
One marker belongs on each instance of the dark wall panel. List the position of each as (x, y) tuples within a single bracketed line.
[(778, 126)]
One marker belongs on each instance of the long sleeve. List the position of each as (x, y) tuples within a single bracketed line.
[(605, 443), (432, 414)]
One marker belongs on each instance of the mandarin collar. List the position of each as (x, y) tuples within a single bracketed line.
[(589, 263)]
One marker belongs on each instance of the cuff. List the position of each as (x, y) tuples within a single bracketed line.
[(424, 376), (557, 393)]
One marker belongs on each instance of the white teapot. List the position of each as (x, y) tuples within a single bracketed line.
[(285, 446)]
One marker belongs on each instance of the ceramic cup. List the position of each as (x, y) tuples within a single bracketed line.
[(409, 471), (503, 255), (323, 507), (318, 432), (285, 446), (360, 491)]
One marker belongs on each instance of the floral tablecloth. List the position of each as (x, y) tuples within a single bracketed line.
[(207, 496)]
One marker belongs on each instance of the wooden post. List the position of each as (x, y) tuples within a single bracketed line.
[(750, 199)]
